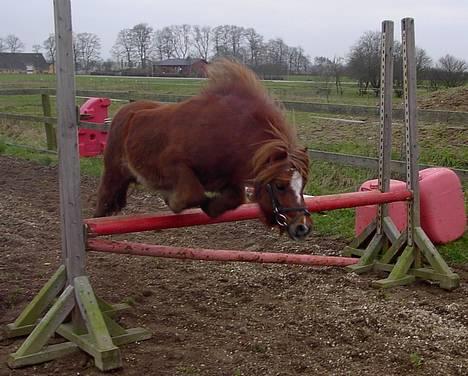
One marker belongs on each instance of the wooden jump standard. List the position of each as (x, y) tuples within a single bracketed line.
[(67, 305)]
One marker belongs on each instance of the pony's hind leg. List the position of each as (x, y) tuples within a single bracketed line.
[(112, 192), (228, 198)]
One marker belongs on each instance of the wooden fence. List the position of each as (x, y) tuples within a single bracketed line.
[(447, 117)]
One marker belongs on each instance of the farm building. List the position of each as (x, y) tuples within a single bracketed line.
[(12, 62), (180, 67)]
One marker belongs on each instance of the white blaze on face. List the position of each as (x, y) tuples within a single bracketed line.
[(296, 184)]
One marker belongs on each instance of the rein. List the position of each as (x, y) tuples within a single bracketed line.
[(279, 211)]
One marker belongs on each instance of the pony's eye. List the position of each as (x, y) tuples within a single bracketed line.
[(280, 187)]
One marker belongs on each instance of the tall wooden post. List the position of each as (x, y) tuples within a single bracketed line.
[(69, 291), (73, 247)]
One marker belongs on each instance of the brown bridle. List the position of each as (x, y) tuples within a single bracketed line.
[(279, 211)]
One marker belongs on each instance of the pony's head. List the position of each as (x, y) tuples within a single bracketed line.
[(281, 172), (279, 165)]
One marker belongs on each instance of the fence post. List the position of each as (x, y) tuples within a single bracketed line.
[(51, 134)]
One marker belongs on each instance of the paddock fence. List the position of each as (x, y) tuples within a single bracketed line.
[(448, 118)]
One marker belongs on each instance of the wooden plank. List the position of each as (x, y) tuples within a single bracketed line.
[(32, 118), (51, 135), (32, 148), (431, 254), (411, 132), (369, 256), (44, 298), (396, 246), (92, 314), (391, 230), (50, 352), (371, 162), (73, 247), (48, 324), (25, 91), (104, 360)]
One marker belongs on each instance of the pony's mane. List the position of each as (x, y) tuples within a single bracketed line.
[(266, 167), (226, 77)]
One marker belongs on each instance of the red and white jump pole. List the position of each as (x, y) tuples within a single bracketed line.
[(148, 222), (141, 249)]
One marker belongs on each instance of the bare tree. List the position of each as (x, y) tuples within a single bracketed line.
[(49, 46), (235, 37), (201, 37), (324, 67), (142, 41), (453, 70), (13, 43), (220, 40), (2, 45), (337, 68), (255, 45), (163, 43), (278, 51), (182, 40), (124, 47), (423, 61), (88, 50), (364, 61), (36, 48)]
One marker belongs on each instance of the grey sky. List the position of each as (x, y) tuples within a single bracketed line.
[(322, 28)]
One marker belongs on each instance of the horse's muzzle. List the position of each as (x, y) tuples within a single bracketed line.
[(299, 231)]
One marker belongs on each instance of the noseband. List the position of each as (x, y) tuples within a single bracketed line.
[(279, 211)]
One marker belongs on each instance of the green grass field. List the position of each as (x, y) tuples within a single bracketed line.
[(301, 88), (439, 144)]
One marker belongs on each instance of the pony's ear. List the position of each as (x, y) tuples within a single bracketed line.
[(278, 156)]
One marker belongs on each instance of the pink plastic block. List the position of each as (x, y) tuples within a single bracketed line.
[(91, 141), (443, 216), (442, 208), (396, 210)]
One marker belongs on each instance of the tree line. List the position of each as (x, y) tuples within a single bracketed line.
[(136, 48)]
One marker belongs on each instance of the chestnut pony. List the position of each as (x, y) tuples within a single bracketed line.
[(203, 151)]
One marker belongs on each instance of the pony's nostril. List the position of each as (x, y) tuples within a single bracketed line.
[(302, 230)]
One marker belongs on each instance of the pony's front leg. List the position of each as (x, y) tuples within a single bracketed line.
[(186, 192), (228, 198)]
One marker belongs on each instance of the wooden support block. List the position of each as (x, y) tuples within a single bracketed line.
[(358, 269), (31, 315), (390, 230), (403, 264), (349, 251), (364, 235), (50, 352), (99, 342), (111, 309), (32, 347), (104, 359), (379, 266), (393, 282), (12, 331), (396, 246), (447, 282)]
